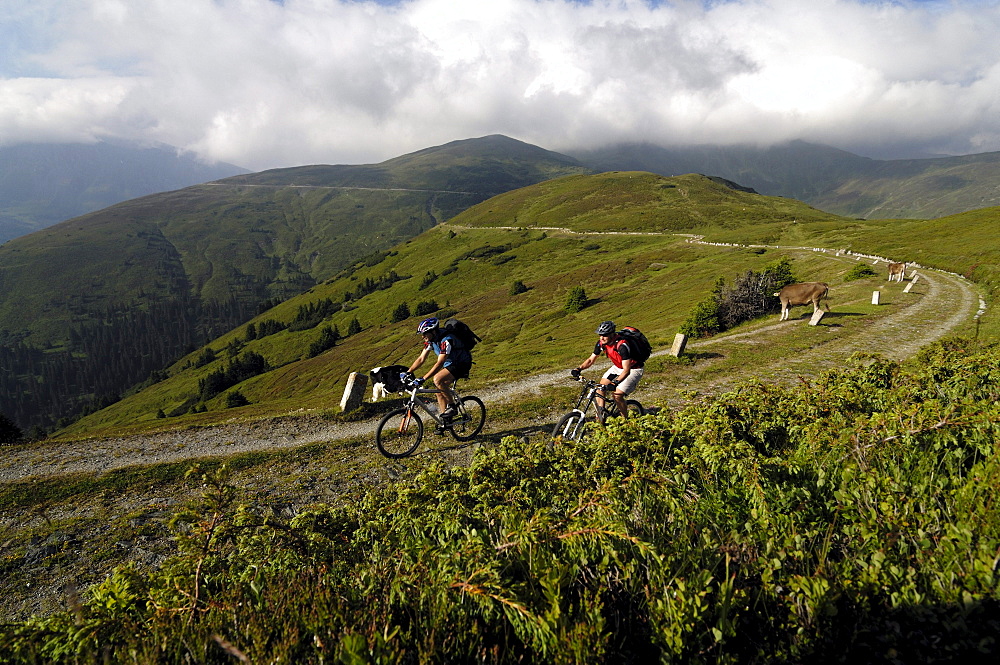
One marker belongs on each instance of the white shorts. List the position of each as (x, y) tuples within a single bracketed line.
[(631, 381)]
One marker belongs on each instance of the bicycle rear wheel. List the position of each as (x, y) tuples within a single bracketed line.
[(399, 433), (468, 422), (635, 408)]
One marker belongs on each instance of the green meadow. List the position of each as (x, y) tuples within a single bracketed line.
[(844, 515)]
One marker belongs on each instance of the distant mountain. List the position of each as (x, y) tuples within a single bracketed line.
[(94, 304), (42, 184), (830, 179)]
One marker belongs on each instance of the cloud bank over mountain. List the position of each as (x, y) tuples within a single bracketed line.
[(265, 84)]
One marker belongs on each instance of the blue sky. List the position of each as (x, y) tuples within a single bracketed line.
[(267, 84)]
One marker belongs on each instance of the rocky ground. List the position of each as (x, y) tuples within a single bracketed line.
[(63, 545)]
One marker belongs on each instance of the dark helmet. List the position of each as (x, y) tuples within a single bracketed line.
[(606, 328), (428, 325)]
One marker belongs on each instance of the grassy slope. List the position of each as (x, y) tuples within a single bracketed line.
[(923, 188), (651, 281), (967, 244), (256, 236)]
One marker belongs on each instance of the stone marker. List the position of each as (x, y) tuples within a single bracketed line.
[(817, 315), (354, 393), (680, 341), (875, 296), (908, 287), (914, 277)]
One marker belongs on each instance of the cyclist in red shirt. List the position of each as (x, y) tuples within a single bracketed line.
[(624, 373)]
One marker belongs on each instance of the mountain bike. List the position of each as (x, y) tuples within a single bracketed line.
[(573, 424), (400, 431)]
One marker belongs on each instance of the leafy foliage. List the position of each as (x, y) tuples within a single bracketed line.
[(328, 338), (748, 297), (859, 271), (576, 299), (240, 369), (841, 520)]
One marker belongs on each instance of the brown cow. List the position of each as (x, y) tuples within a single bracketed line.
[(802, 294), (896, 272)]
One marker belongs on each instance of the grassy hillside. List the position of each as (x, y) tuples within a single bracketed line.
[(185, 266), (649, 277)]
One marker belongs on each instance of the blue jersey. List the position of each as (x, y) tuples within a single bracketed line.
[(451, 346)]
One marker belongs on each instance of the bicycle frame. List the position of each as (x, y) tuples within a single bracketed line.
[(589, 394), (571, 425), (415, 401)]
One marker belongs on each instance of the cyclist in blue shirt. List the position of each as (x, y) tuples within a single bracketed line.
[(453, 362)]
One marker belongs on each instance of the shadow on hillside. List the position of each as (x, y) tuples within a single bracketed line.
[(703, 355)]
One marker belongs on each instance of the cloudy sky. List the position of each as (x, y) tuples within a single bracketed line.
[(266, 83)]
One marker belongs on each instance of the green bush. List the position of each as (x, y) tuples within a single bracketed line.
[(401, 313), (426, 307), (517, 288), (235, 399), (703, 321), (328, 338), (859, 271), (576, 299)]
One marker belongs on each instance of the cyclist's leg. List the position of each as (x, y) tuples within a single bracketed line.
[(605, 380), (444, 380), (627, 387)]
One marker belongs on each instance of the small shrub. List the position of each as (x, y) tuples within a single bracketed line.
[(576, 300), (328, 338), (518, 287), (401, 313), (354, 327), (426, 307), (703, 320), (859, 271), (235, 399)]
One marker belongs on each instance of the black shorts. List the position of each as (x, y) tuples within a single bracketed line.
[(459, 370)]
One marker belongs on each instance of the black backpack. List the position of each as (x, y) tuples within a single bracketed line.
[(640, 346), (462, 332)]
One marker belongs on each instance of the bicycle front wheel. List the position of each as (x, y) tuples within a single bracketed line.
[(468, 422), (570, 426), (399, 433)]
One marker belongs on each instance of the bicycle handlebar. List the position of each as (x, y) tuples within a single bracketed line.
[(592, 384)]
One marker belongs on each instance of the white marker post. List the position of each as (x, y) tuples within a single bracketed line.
[(680, 341), (817, 315), (875, 297), (354, 392)]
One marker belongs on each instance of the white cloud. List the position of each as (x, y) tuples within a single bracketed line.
[(266, 84)]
